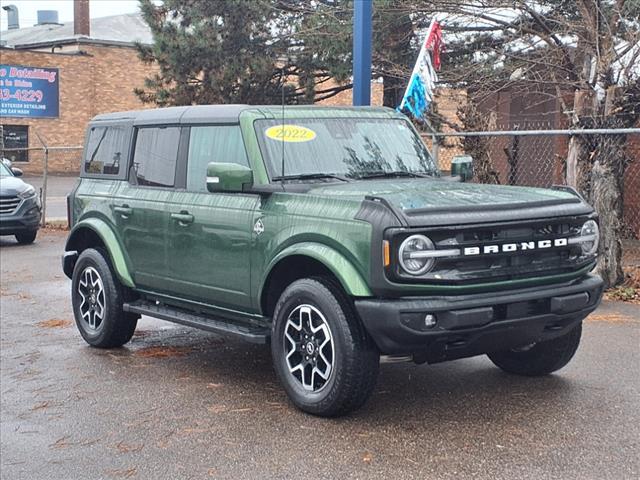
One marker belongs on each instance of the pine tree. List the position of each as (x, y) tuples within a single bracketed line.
[(229, 51), (233, 51), (326, 33), (211, 52)]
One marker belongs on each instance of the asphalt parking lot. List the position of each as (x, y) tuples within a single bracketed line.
[(180, 403)]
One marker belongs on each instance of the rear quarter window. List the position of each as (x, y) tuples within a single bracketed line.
[(106, 150)]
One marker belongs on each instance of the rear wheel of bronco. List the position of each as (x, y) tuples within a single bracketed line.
[(97, 298), (541, 358), (322, 354)]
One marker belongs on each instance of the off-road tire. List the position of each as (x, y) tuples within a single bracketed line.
[(116, 327), (356, 358), (542, 358), (26, 238)]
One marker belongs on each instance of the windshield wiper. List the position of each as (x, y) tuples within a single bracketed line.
[(310, 176), (395, 173)]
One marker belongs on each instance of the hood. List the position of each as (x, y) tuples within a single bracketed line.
[(11, 186), (438, 201)]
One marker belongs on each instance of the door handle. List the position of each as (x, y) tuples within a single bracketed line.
[(125, 211), (183, 218)]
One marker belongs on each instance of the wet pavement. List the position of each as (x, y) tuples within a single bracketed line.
[(180, 403)]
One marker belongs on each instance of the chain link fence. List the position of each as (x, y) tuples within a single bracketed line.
[(542, 158), (37, 163), (58, 160)]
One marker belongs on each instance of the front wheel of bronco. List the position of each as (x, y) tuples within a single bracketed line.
[(321, 352), (97, 298), (540, 358)]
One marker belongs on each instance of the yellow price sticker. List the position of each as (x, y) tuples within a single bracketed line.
[(290, 133)]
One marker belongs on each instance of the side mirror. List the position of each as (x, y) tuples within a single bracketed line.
[(228, 177), (16, 171), (462, 166)]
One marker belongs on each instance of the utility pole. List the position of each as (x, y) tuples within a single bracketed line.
[(362, 38)]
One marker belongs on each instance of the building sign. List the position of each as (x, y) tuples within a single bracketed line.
[(30, 92)]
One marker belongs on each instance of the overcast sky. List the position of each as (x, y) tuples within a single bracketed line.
[(27, 9)]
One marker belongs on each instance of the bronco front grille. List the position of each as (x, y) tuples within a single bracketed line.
[(8, 205), (495, 266)]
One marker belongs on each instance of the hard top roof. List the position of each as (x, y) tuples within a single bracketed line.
[(231, 113)]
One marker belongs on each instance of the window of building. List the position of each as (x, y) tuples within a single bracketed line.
[(155, 156), (219, 144), (15, 140), (105, 150)]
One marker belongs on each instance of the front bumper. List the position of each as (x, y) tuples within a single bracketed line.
[(468, 325), (26, 218)]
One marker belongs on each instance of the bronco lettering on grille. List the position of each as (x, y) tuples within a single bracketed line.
[(514, 247)]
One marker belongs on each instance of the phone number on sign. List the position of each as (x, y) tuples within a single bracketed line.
[(22, 95)]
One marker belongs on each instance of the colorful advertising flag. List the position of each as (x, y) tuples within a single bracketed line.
[(30, 92), (419, 93)]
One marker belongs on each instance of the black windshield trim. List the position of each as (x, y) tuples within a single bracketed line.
[(310, 176), (396, 173)]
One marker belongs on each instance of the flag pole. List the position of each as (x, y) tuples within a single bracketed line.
[(362, 29), (423, 52)]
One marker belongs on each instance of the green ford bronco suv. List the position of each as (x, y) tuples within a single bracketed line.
[(328, 233)]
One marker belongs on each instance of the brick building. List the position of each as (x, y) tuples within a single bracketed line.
[(97, 70)]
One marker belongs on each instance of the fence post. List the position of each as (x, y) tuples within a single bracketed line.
[(44, 186), (435, 151), (45, 172)]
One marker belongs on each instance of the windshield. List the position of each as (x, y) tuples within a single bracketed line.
[(348, 147), (4, 170)]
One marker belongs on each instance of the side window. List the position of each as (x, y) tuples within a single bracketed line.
[(105, 150), (219, 144), (155, 156)]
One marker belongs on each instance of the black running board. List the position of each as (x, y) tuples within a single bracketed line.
[(250, 333)]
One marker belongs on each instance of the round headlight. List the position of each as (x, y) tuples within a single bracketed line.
[(590, 234), (411, 254)]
